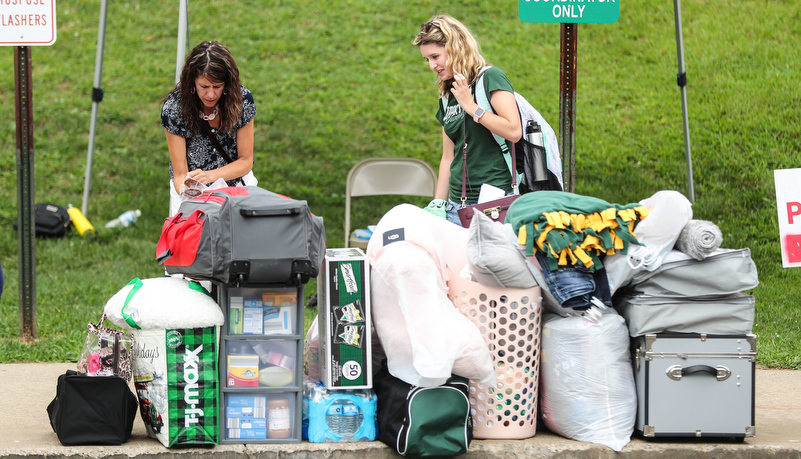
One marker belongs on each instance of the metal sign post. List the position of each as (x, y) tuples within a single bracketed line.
[(567, 103), (26, 24), (25, 193), (180, 55), (97, 97), (569, 15), (681, 80)]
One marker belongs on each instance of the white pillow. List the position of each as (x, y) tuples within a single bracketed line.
[(493, 256), (164, 303)]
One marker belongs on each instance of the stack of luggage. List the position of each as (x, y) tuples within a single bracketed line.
[(257, 249), (692, 344)]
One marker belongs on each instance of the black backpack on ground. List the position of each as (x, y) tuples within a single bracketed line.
[(50, 220)]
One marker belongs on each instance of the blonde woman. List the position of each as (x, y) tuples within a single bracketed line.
[(453, 54)]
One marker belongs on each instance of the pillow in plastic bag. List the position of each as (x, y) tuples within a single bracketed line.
[(163, 303), (425, 338)]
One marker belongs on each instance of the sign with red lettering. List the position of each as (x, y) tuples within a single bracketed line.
[(27, 22), (788, 205)]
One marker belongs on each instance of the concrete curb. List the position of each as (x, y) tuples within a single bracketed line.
[(25, 431)]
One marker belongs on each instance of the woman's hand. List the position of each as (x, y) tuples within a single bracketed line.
[(200, 175), (461, 91), (505, 121)]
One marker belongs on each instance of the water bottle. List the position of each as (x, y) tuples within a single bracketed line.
[(81, 223), (333, 417), (534, 137), (344, 418), (351, 420), (127, 218)]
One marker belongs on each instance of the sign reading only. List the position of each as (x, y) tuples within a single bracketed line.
[(569, 11)]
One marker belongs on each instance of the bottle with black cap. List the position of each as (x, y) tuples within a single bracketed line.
[(534, 137)]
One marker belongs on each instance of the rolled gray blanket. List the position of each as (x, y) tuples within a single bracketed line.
[(699, 238)]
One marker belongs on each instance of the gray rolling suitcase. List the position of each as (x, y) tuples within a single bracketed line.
[(243, 235), (695, 385)]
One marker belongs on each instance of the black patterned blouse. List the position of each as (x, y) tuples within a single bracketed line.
[(200, 152)]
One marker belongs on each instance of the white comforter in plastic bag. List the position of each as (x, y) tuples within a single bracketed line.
[(587, 389), (425, 338), (669, 212)]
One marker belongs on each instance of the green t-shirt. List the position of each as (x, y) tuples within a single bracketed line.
[(485, 162)]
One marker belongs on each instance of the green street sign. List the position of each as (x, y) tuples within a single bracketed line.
[(569, 11)]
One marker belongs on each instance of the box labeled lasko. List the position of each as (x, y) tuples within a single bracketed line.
[(343, 317)]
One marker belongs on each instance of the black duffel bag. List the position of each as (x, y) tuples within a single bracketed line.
[(92, 410), (423, 421)]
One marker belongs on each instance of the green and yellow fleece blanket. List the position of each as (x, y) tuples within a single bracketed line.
[(573, 229)]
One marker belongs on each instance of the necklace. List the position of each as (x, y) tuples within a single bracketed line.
[(213, 114)]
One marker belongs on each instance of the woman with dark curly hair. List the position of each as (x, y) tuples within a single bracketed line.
[(208, 120)]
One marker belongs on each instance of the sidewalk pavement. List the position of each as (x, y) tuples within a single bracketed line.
[(26, 390)]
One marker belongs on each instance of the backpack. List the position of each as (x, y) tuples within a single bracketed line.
[(524, 149), (423, 421), (50, 220)]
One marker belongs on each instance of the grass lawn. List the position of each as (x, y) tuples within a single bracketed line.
[(339, 81)]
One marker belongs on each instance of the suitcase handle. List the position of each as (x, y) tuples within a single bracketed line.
[(269, 212), (720, 372)]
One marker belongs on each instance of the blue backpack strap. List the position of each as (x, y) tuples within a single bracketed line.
[(483, 101)]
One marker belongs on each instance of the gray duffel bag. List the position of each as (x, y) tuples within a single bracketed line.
[(729, 315), (723, 272)]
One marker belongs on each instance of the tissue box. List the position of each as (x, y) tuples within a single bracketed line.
[(243, 370), (343, 317)]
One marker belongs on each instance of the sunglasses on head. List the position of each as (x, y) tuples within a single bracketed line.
[(428, 26)]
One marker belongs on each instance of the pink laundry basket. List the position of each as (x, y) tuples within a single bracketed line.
[(510, 320)]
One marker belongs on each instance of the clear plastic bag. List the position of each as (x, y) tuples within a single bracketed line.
[(191, 188), (106, 352), (669, 212), (311, 353), (587, 389)]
